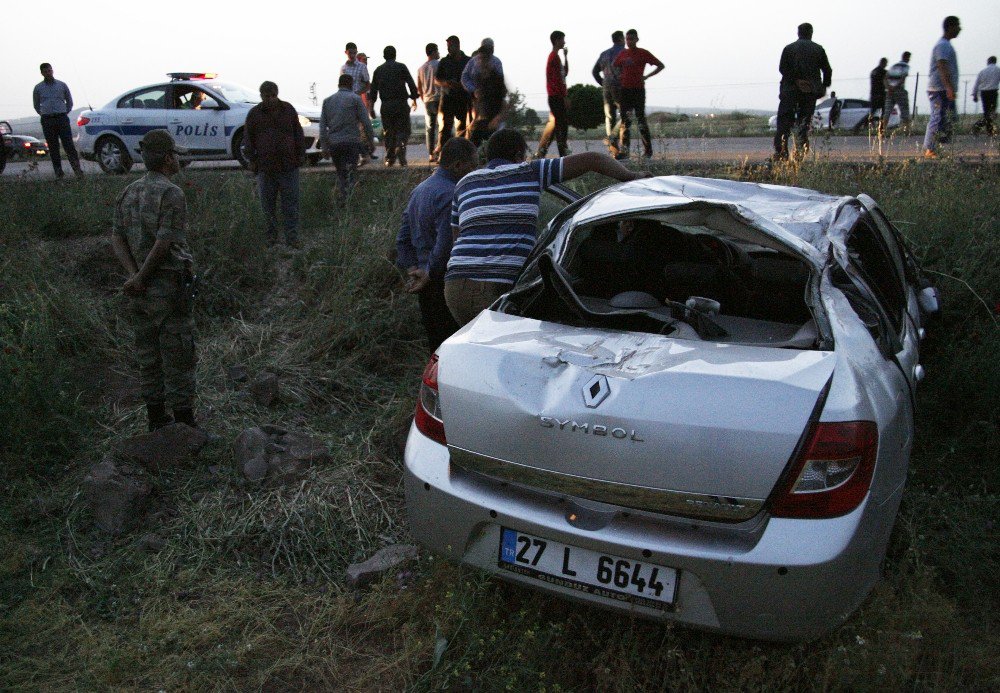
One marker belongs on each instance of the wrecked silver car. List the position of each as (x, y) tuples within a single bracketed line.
[(695, 404)]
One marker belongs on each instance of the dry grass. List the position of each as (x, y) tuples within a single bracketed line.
[(248, 591)]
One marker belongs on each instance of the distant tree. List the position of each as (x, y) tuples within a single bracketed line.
[(518, 111), (586, 107), (531, 117)]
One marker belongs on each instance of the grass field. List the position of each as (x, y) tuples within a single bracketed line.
[(248, 590)]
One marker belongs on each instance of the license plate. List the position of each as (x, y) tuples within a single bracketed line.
[(591, 572)]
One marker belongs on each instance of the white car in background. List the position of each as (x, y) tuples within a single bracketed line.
[(203, 114), (853, 116)]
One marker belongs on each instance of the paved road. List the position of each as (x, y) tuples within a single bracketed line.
[(719, 150)]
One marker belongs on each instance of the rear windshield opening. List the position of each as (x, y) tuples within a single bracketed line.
[(639, 273)]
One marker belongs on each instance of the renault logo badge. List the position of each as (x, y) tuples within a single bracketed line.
[(596, 391)]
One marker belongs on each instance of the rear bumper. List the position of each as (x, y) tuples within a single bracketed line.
[(773, 579)]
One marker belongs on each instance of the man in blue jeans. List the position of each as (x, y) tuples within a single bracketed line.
[(53, 102), (344, 113), (943, 79), (275, 148)]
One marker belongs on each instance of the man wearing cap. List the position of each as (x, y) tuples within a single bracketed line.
[(276, 148), (148, 238), (53, 102)]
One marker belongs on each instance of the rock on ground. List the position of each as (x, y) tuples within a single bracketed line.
[(164, 448), (361, 574), (264, 389), (117, 495), (276, 454)]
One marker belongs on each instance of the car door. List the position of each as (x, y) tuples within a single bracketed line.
[(138, 113), (197, 121), (923, 299), (878, 269)]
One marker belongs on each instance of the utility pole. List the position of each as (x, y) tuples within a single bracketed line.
[(916, 90), (965, 98)]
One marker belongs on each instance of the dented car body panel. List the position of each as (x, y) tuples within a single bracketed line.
[(703, 379)]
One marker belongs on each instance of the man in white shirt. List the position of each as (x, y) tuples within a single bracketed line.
[(895, 92), (985, 86), (430, 94)]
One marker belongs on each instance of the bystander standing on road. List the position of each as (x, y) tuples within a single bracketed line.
[(483, 63), (555, 86), (483, 77), (454, 98), (896, 95), (341, 122), (494, 217), (276, 148), (53, 102), (424, 241), (393, 83), (942, 81), (606, 75), (357, 67), (148, 237), (876, 91), (985, 88), (631, 65), (805, 77), (430, 92)]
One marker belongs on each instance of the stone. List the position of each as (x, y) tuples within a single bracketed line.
[(388, 558), (264, 389), (237, 374), (255, 469), (116, 494), (152, 542), (164, 448), (249, 444), (279, 455)]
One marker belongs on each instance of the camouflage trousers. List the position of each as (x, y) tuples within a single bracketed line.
[(164, 342)]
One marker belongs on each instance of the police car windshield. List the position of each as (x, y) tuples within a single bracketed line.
[(233, 93)]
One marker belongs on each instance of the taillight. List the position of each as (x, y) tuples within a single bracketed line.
[(832, 474), (82, 120), (27, 145), (428, 414)]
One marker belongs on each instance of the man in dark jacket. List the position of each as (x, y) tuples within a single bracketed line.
[(454, 99), (393, 83), (876, 90), (275, 148), (802, 63)]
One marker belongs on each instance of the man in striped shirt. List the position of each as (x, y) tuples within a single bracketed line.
[(494, 217)]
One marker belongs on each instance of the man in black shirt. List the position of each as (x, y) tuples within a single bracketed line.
[(876, 89), (454, 99), (393, 83), (801, 84)]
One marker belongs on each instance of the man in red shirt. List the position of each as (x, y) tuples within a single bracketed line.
[(631, 64), (555, 83)]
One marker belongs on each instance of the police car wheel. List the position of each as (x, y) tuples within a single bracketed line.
[(112, 156), (238, 150)]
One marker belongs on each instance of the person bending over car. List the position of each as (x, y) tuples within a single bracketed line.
[(494, 217)]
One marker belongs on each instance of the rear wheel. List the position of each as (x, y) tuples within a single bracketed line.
[(112, 156), (238, 150)]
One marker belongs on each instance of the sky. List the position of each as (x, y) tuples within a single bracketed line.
[(719, 54)]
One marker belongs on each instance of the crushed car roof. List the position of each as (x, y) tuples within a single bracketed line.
[(795, 215)]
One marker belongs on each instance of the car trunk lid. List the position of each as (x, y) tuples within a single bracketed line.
[(687, 427)]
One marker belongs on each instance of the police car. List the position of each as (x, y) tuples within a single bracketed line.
[(203, 114)]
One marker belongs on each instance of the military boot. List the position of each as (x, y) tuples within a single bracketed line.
[(158, 416), (185, 415)]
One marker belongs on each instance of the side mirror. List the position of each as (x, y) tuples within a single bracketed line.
[(928, 300)]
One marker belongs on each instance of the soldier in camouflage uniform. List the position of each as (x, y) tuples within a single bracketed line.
[(149, 228)]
